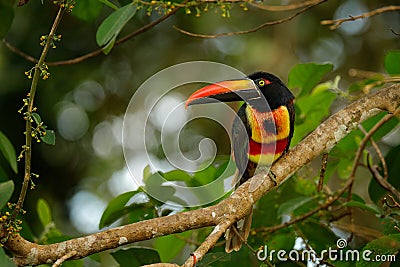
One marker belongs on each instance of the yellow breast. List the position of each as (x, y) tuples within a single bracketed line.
[(270, 126)]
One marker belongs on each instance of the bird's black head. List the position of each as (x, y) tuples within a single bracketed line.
[(272, 88), (256, 90)]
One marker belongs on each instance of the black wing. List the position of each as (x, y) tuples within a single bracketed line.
[(292, 113), (240, 135)]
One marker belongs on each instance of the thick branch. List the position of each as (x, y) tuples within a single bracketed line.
[(323, 139)]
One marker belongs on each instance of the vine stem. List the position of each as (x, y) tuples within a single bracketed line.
[(28, 131)]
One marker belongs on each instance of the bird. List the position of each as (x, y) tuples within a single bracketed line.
[(268, 116)]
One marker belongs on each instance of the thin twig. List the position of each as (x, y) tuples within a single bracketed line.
[(64, 258), (28, 131), (390, 205), (359, 230), (19, 52), (322, 171), (346, 187), (382, 181), (209, 243), (334, 218), (364, 74), (266, 24), (95, 52), (394, 32), (337, 22), (244, 241), (327, 203), (288, 7), (364, 142), (162, 264), (378, 152)]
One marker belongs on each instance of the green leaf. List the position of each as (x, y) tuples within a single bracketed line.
[(114, 209), (44, 212), (368, 207), (135, 257), (134, 203), (292, 204), (5, 261), (107, 49), (357, 198), (304, 186), (3, 175), (87, 10), (265, 212), (8, 152), (164, 248), (359, 85), (211, 258), (6, 17), (36, 118), (306, 76), (177, 175), (384, 129), (386, 245), (6, 190), (205, 176), (146, 173), (49, 138), (319, 237), (113, 24), (154, 187), (109, 4), (392, 62), (73, 263), (284, 241), (310, 111)]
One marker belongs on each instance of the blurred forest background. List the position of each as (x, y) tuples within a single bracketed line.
[(85, 102)]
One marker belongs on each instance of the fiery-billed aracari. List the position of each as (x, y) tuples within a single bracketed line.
[(268, 118)]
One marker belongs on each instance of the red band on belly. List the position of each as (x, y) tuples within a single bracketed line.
[(268, 148)]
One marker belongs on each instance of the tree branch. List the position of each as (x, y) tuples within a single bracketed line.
[(306, 4), (338, 22), (287, 7), (223, 214), (30, 109), (259, 27), (95, 52)]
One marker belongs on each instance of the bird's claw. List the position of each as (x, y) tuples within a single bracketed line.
[(272, 176)]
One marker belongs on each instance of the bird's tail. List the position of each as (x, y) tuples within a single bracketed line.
[(238, 233)]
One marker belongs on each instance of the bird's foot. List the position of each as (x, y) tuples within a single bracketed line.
[(272, 176)]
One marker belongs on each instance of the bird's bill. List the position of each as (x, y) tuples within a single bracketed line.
[(225, 91)]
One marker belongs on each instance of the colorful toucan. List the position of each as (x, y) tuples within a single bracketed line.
[(268, 118)]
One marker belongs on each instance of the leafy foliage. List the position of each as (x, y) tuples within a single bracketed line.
[(8, 151), (4, 260), (112, 25), (6, 17), (316, 98), (392, 65), (6, 190), (135, 257), (290, 200)]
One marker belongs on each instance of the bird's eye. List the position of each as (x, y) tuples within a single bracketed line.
[(263, 82)]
